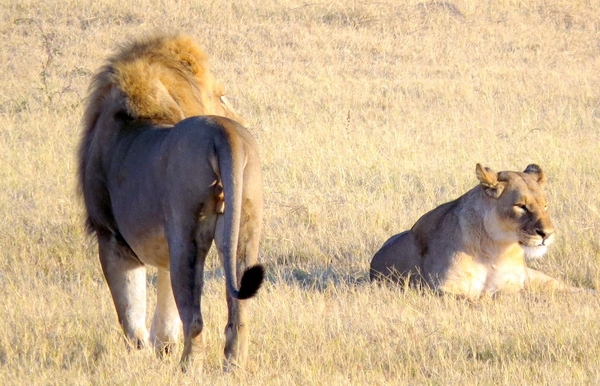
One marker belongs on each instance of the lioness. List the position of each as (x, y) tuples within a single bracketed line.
[(160, 183), (476, 244)]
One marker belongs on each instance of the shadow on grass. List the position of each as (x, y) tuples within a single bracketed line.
[(295, 271), (314, 278)]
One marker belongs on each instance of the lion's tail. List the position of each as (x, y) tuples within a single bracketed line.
[(231, 166)]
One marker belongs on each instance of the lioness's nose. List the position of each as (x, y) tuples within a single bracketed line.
[(544, 233)]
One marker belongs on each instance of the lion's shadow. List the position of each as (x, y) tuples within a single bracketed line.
[(315, 278), (310, 276)]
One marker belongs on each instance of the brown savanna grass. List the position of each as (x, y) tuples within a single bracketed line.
[(368, 114)]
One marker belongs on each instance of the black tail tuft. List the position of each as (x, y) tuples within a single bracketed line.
[(251, 281)]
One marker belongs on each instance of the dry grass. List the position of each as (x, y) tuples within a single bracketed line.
[(367, 115)]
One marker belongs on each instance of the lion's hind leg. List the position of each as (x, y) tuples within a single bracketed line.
[(126, 278), (237, 328), (188, 250), (166, 323)]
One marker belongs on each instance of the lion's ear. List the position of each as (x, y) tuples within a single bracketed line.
[(536, 172), (488, 179)]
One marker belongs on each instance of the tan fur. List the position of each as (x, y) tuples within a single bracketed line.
[(164, 172), (478, 243), (163, 79)]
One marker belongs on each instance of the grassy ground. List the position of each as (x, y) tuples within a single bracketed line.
[(367, 115)]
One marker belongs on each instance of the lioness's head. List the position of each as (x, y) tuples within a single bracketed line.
[(519, 208)]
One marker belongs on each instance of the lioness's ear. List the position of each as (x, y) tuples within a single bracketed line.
[(536, 172), (488, 179)]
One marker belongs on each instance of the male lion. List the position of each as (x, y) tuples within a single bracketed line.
[(476, 244), (160, 186)]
